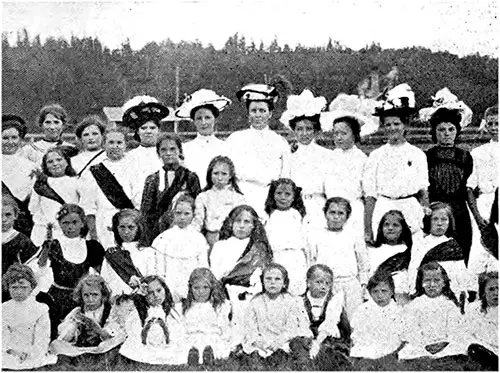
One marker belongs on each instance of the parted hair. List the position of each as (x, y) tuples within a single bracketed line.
[(54, 109), (258, 234), (314, 119), (168, 303), (143, 121), (297, 203), (93, 280), (380, 277), (353, 124), (210, 107), (483, 280), (115, 222), (217, 292), (434, 266), (405, 237), (91, 120), (284, 273), (339, 201), (173, 137), (16, 272), (69, 171), (233, 180)]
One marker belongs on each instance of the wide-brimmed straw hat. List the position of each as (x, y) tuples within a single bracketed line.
[(200, 98), (352, 106), (303, 105), (140, 109)]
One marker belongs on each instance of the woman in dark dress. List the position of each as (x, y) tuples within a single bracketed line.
[(449, 168)]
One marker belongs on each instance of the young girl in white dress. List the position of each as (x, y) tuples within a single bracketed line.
[(238, 258), (56, 185), (482, 320), (286, 232), (376, 324), (154, 329), (439, 245), (217, 199), (274, 317), (343, 251), (86, 329), (391, 252), (206, 318), (181, 248), (129, 260), (25, 323), (432, 323)]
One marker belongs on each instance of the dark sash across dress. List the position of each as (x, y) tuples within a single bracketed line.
[(444, 252), (111, 188), (156, 205), (121, 262), (43, 189), (396, 263)]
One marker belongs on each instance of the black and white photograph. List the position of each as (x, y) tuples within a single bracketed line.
[(250, 185)]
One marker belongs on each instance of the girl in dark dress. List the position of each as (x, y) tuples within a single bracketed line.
[(71, 257), (449, 168), (16, 247)]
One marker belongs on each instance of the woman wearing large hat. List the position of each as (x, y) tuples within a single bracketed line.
[(308, 165), (203, 108), (260, 155), (396, 175), (143, 115), (348, 118)]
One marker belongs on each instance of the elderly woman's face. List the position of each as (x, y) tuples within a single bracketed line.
[(91, 138), (204, 120), (52, 127), (259, 114), (11, 141), (148, 133), (304, 130), (446, 133)]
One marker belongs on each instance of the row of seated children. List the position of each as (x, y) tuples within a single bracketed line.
[(180, 249), (307, 332)]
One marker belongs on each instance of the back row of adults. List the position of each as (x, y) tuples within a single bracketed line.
[(103, 177)]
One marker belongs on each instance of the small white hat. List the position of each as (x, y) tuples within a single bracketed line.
[(303, 105), (258, 92), (445, 99), (399, 99), (353, 106), (139, 108), (199, 98)]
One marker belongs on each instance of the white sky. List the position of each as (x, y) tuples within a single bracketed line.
[(458, 26)]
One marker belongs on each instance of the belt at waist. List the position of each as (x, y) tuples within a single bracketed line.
[(405, 197)]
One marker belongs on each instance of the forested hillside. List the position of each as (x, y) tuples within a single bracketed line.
[(84, 76)]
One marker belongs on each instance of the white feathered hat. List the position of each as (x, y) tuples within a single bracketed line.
[(199, 98), (303, 105), (445, 99)]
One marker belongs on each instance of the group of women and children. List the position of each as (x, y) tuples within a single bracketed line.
[(251, 250)]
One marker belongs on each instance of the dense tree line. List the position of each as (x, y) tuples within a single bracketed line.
[(83, 75)]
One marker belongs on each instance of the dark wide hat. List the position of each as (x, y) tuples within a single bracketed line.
[(141, 109)]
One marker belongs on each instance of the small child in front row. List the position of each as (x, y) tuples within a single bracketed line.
[(25, 323), (343, 251), (328, 322), (274, 317), (84, 325), (432, 324), (181, 248), (285, 231), (205, 315), (154, 329), (482, 320), (376, 324), (391, 252), (217, 199)]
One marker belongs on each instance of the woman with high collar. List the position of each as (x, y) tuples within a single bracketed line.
[(52, 118), (308, 166), (143, 115), (260, 155), (17, 180), (396, 175), (348, 120), (203, 108)]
